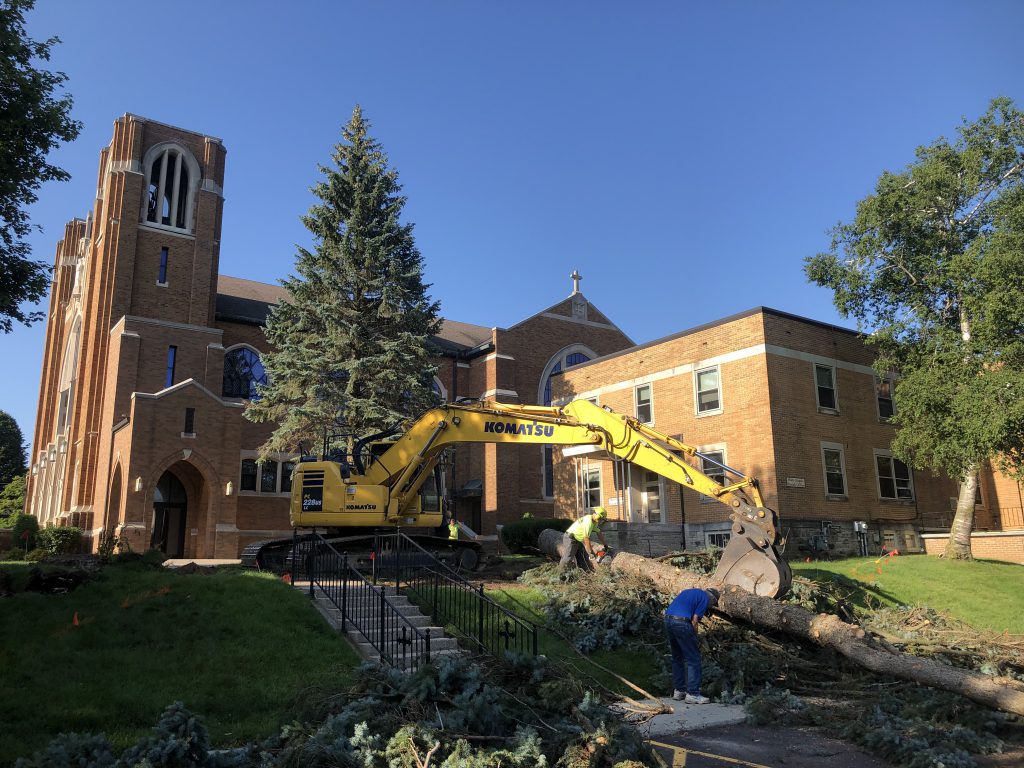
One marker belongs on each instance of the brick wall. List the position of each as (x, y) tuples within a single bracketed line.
[(1007, 546)]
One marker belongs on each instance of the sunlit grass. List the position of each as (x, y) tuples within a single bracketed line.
[(983, 593), (244, 650)]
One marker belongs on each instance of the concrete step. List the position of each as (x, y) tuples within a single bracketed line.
[(371, 634), (443, 644), (408, 662)]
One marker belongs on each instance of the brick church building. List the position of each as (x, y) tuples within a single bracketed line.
[(151, 354)]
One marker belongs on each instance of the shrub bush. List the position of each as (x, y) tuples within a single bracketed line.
[(16, 554), (37, 554), (24, 523), (60, 541), (522, 535)]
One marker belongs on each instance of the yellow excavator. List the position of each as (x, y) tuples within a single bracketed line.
[(380, 484)]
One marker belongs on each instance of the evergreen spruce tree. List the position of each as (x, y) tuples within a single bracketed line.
[(351, 346)]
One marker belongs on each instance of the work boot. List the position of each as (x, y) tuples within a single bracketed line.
[(695, 699), (678, 695)]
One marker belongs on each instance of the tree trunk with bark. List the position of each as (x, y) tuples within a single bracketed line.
[(831, 632), (959, 545)]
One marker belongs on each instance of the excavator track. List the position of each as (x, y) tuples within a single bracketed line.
[(275, 555)]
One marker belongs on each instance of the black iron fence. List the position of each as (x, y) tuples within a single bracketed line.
[(440, 591), (364, 605)]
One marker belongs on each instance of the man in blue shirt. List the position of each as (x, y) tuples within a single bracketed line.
[(681, 619)]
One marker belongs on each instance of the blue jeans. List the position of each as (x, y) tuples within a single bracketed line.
[(682, 641)]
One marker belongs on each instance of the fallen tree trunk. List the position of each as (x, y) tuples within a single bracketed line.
[(832, 632)]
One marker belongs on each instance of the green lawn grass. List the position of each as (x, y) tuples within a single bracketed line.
[(242, 649), (984, 593)]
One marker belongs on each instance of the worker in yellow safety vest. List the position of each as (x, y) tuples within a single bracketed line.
[(577, 539), (453, 528)]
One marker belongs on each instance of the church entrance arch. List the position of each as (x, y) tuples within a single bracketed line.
[(170, 511)]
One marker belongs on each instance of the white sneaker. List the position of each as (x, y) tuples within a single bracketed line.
[(698, 699), (678, 695)]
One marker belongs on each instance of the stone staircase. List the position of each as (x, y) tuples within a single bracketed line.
[(365, 608)]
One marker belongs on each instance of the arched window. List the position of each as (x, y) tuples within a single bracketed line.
[(68, 378), (173, 176), (440, 393), (565, 359), (243, 371)]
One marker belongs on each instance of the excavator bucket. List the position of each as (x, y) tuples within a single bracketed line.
[(754, 565)]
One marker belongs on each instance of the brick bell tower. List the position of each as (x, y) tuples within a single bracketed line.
[(132, 357)]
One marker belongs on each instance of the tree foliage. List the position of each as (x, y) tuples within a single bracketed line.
[(12, 449), (932, 265), (12, 501), (34, 119), (351, 346)]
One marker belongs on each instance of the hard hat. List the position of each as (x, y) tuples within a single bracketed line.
[(599, 512)]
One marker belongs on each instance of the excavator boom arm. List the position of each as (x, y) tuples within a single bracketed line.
[(750, 560)]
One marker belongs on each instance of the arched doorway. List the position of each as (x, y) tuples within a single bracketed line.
[(170, 506)]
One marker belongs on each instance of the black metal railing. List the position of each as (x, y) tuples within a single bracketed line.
[(460, 605), (362, 604)]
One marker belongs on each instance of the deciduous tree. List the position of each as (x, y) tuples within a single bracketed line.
[(932, 265), (351, 344), (34, 119), (12, 449)]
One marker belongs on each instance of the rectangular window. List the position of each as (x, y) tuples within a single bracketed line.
[(286, 476), (709, 464), (716, 539), (889, 540), (190, 421), (883, 392), (592, 492), (249, 472), (825, 381), (834, 463), (549, 471), (268, 477), (894, 478), (708, 394), (652, 497), (162, 277), (643, 403), (172, 353)]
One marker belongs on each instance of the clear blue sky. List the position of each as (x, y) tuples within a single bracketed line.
[(684, 156)]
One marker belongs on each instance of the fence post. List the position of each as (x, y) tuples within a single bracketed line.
[(480, 630), (344, 590), (534, 628), (311, 564), (426, 643), (374, 554), (398, 564), (381, 609)]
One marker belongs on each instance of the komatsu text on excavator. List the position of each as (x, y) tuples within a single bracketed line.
[(381, 484)]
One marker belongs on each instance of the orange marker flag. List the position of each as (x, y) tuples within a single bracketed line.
[(74, 621)]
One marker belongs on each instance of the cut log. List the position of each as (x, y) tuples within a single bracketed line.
[(832, 632)]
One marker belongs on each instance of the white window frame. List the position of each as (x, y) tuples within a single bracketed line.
[(882, 453), (587, 472), (280, 458), (842, 466), (650, 402), (442, 390), (696, 392), (835, 388), (645, 514), (709, 534), (892, 400), (708, 449)]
